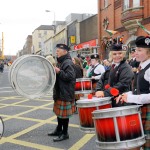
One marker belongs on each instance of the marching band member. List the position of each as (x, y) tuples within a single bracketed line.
[(120, 75), (141, 93), (96, 70), (64, 91)]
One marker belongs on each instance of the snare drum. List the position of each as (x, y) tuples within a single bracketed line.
[(119, 128), (83, 86), (85, 109)]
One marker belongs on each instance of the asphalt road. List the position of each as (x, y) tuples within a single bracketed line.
[(27, 122)]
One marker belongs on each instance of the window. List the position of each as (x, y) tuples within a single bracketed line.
[(39, 44), (45, 32), (39, 35), (126, 4), (136, 3), (105, 3)]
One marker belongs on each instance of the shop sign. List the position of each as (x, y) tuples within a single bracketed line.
[(85, 45)]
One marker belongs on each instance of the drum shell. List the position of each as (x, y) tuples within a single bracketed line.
[(119, 125), (83, 86), (85, 109)]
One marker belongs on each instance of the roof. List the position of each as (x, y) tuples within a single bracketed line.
[(45, 27)]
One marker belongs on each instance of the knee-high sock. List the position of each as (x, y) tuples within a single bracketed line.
[(59, 127), (65, 123)]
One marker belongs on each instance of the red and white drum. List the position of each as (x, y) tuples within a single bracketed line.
[(83, 86), (85, 109), (119, 128)]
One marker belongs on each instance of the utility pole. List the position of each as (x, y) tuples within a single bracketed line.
[(2, 50)]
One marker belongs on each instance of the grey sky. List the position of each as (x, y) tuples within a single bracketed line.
[(19, 18)]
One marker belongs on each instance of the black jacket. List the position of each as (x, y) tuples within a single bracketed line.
[(134, 63), (119, 78), (64, 88)]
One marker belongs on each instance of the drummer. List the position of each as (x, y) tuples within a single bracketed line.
[(141, 93), (95, 70), (120, 75)]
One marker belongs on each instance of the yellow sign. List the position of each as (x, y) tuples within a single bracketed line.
[(72, 39)]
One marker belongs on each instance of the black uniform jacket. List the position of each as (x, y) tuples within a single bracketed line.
[(120, 78), (64, 88)]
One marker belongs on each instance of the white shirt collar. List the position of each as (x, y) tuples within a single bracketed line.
[(116, 64), (144, 64)]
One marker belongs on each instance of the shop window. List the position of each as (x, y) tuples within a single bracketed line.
[(126, 4), (136, 3)]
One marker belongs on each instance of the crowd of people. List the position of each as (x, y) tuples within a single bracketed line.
[(131, 78)]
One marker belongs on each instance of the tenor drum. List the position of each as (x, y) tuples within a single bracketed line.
[(83, 86), (85, 109), (119, 128)]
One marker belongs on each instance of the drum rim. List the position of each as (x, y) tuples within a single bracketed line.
[(114, 109), (104, 113), (86, 103), (83, 79), (3, 127), (129, 142)]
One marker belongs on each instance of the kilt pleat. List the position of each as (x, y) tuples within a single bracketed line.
[(64, 109)]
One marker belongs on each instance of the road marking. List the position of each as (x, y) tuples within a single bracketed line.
[(11, 139), (29, 144), (82, 142)]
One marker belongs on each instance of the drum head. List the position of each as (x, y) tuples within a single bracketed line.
[(32, 76)]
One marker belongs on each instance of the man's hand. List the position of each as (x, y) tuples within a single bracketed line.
[(99, 94), (122, 98), (57, 69), (93, 77)]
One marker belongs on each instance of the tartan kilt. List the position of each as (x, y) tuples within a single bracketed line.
[(147, 145), (64, 109), (146, 124)]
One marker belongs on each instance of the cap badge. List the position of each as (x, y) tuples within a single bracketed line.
[(147, 41)]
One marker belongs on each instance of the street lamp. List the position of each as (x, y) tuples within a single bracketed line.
[(54, 15)]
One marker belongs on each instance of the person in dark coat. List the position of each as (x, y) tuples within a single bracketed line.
[(79, 73), (78, 67), (1, 66), (141, 93), (64, 91), (120, 75)]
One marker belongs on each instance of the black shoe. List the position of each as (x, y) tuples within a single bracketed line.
[(61, 137), (55, 133)]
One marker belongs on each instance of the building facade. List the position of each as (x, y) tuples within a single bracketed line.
[(39, 35), (122, 16)]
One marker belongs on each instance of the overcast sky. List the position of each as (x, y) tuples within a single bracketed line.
[(19, 18)]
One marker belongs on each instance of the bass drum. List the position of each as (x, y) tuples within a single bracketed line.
[(32, 76)]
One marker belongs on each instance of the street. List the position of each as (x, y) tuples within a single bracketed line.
[(27, 122)]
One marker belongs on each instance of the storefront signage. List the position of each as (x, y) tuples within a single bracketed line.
[(85, 45)]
